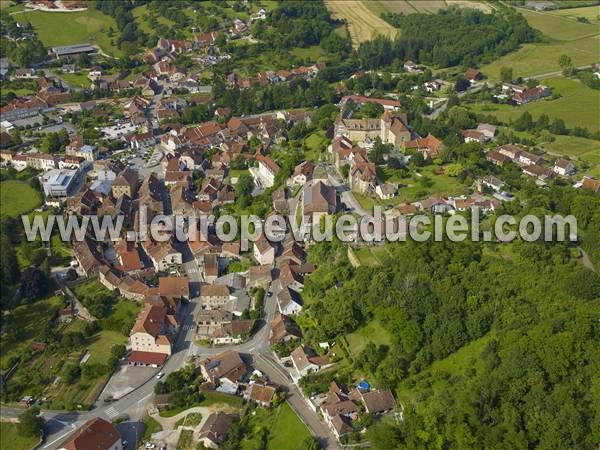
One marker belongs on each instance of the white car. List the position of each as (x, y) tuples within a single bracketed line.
[(150, 445), (159, 375)]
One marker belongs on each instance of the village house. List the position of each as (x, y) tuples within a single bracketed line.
[(511, 151), (283, 329), (318, 201), (496, 157), (526, 158), (210, 267), (563, 167), (264, 251), (126, 183), (214, 296), (429, 146), (153, 332), (267, 170), (215, 429), (590, 184), (302, 173), (97, 434), (261, 394), (305, 361), (362, 176), (163, 255), (174, 287), (386, 191), (289, 301), (224, 370)]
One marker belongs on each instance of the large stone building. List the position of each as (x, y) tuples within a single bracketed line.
[(391, 129)]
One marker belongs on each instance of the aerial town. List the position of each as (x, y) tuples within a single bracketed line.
[(132, 110)]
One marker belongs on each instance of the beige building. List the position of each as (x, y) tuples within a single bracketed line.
[(153, 331), (126, 183), (214, 296)]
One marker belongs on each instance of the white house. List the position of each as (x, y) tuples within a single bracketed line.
[(264, 251), (267, 170), (563, 167), (386, 191)]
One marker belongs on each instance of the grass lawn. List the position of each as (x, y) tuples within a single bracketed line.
[(102, 343), (76, 79), (152, 426), (17, 197), (210, 398), (10, 438), (560, 27), (372, 331), (316, 144), (65, 28), (577, 106), (311, 53), (563, 35), (584, 151), (287, 431), (591, 13)]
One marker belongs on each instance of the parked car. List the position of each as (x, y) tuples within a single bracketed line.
[(159, 375)]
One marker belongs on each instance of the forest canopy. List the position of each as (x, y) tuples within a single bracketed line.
[(450, 37)]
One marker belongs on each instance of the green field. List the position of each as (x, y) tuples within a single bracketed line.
[(585, 152), (17, 197), (287, 431), (10, 438), (76, 79), (25, 323), (562, 35), (590, 12), (577, 106), (65, 28), (372, 331), (140, 13), (457, 363), (102, 343)]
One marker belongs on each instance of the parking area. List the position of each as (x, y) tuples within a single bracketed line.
[(125, 379)]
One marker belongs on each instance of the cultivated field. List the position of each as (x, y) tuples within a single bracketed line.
[(65, 28), (363, 23), (562, 34), (483, 7), (428, 6)]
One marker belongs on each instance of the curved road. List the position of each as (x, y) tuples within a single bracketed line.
[(59, 424)]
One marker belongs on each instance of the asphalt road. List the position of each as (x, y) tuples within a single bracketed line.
[(60, 424)]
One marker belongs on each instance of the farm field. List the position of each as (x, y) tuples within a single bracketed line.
[(563, 35), (578, 105), (65, 28), (363, 22), (17, 197)]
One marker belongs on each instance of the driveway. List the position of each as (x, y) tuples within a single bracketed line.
[(125, 379)]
